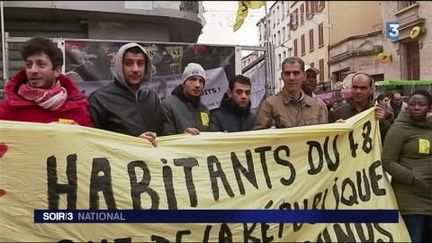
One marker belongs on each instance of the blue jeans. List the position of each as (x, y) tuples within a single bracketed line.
[(419, 227)]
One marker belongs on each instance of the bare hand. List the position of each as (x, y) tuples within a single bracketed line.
[(192, 131), (149, 136), (380, 113)]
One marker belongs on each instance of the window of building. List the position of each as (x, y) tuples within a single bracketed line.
[(321, 5), (279, 60), (307, 10), (288, 33), (284, 55), (279, 37), (321, 68), (311, 40), (405, 4), (294, 19), (274, 17), (283, 10), (320, 35), (283, 34), (412, 60), (303, 52), (295, 47), (278, 15), (312, 64), (274, 39), (302, 14)]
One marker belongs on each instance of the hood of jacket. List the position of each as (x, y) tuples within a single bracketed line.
[(118, 64), (75, 97), (229, 105), (404, 118)]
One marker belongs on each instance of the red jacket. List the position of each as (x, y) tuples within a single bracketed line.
[(15, 108)]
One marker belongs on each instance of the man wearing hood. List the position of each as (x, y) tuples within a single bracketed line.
[(234, 113), (124, 106), (40, 93), (183, 111)]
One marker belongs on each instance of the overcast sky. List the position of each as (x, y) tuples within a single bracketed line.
[(220, 18)]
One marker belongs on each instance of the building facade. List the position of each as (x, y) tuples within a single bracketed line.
[(168, 21), (279, 37), (411, 57), (310, 34), (355, 40)]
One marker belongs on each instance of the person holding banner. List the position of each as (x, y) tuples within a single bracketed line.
[(290, 107), (183, 111), (407, 156), (40, 93), (362, 99), (124, 106), (234, 113), (310, 83)]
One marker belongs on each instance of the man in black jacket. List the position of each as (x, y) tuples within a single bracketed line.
[(124, 106), (234, 113)]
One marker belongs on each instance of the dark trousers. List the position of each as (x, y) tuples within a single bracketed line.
[(419, 227)]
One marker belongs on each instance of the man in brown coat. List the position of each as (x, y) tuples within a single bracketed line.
[(290, 107)]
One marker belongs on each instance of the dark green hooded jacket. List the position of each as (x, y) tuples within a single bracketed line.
[(407, 156)]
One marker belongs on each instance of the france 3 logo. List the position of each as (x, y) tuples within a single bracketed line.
[(392, 31)]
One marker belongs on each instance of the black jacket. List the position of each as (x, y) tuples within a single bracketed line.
[(231, 118), (181, 113), (116, 109)]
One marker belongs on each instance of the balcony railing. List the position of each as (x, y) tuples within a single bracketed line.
[(405, 4)]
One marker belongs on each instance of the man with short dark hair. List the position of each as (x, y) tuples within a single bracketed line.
[(396, 104), (234, 113), (361, 100), (124, 106), (40, 93), (310, 83), (183, 110), (290, 107)]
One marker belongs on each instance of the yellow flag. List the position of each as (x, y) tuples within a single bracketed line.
[(242, 11)]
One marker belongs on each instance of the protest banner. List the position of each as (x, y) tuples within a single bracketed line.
[(328, 166)]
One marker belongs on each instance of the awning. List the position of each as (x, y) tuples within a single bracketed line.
[(394, 83)]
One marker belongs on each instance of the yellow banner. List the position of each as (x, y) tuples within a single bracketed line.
[(330, 166)]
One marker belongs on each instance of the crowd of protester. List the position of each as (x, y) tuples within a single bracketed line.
[(41, 93)]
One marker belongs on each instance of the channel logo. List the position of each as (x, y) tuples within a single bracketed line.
[(392, 31)]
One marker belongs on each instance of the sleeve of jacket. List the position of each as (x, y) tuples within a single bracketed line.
[(168, 127), (393, 146), (264, 116), (96, 111), (84, 116), (323, 113), (160, 113), (214, 122)]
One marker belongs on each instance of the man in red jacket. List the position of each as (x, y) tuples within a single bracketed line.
[(40, 93)]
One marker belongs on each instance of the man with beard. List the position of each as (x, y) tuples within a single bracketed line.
[(40, 93), (124, 106), (396, 104), (183, 111), (234, 113)]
